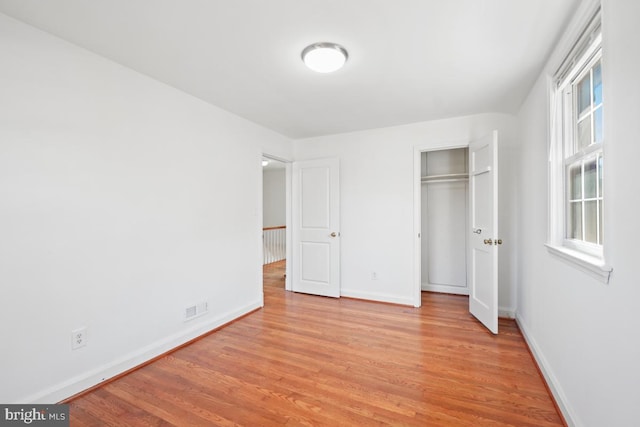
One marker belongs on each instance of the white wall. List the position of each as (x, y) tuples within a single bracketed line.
[(274, 200), (376, 200), (122, 201), (584, 332)]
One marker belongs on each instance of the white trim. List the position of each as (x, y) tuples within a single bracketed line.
[(447, 289), (581, 18), (583, 62), (136, 358), (276, 158), (589, 249), (585, 153), (417, 227), (551, 380), (594, 266), (288, 234), (289, 231), (417, 210), (372, 296), (582, 255), (507, 312)]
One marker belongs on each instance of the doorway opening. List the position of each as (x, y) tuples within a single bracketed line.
[(440, 219), (444, 195), (275, 220), (474, 210)]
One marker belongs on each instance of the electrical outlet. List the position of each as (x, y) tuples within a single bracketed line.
[(78, 338), (374, 275)]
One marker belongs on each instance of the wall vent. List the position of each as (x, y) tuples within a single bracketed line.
[(196, 310)]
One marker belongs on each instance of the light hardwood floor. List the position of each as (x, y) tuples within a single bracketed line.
[(313, 361)]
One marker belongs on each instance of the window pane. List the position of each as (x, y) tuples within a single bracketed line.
[(597, 124), (575, 182), (590, 179), (574, 227), (584, 94), (601, 222), (584, 133), (600, 175), (597, 84), (591, 221)]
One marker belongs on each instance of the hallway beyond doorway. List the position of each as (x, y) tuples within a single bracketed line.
[(273, 274)]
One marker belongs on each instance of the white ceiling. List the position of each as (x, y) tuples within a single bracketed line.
[(409, 60)]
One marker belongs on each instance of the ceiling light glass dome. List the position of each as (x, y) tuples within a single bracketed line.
[(324, 57)]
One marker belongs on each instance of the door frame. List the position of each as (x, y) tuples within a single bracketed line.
[(417, 209), (288, 254)]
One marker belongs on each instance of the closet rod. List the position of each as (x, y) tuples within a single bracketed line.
[(433, 181), (450, 177)]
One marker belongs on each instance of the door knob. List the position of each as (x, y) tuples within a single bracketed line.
[(488, 241), (333, 234), (477, 230)]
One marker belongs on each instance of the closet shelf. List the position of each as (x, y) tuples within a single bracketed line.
[(446, 177)]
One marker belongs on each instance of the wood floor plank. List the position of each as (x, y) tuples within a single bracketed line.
[(313, 361)]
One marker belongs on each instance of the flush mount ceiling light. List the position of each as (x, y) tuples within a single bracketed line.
[(324, 57), (265, 162)]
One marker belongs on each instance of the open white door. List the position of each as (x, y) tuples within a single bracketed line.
[(483, 240), (316, 227)]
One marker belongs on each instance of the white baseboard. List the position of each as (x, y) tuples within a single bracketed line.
[(446, 289), (102, 373), (506, 312), (552, 382), (509, 313), (376, 297)]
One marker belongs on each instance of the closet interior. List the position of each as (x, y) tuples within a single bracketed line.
[(444, 217)]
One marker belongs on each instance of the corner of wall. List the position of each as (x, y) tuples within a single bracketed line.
[(136, 359), (552, 382)]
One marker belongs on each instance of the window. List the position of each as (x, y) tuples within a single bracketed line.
[(583, 162), (577, 229)]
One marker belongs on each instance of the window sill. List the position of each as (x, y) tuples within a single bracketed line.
[(589, 264)]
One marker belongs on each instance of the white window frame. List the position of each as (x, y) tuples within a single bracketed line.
[(586, 52), (572, 155)]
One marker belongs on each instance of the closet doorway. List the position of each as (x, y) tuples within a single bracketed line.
[(456, 224), (444, 217)]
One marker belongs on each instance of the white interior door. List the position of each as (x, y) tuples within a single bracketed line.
[(483, 232), (316, 227)]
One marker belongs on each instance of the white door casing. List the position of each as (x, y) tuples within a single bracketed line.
[(316, 227), (483, 230)]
